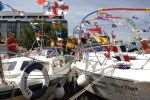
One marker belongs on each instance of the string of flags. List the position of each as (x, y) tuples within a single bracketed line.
[(54, 8), (116, 21)]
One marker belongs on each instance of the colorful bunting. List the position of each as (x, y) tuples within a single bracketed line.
[(55, 8), (95, 30), (102, 39)]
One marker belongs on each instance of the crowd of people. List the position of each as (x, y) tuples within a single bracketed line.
[(11, 46)]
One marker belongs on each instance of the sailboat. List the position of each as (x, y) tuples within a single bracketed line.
[(114, 74), (113, 79), (38, 75)]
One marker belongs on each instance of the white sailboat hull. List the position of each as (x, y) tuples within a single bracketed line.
[(113, 83), (117, 88), (57, 76)]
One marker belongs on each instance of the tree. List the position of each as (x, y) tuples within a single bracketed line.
[(48, 29), (27, 36)]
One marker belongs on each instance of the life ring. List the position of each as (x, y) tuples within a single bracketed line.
[(29, 94)]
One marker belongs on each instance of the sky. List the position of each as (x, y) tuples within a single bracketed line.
[(79, 8)]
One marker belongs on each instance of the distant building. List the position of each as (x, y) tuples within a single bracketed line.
[(12, 22)]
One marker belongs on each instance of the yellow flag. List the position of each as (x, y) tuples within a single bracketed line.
[(102, 39)]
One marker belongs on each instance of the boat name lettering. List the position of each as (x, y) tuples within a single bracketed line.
[(126, 87)]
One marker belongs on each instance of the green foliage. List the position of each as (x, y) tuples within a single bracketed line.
[(49, 30), (27, 36)]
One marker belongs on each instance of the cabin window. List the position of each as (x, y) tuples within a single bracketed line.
[(32, 17), (25, 63), (7, 17), (9, 66), (19, 17), (93, 48), (59, 51), (51, 52)]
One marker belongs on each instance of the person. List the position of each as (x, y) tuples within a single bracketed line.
[(38, 42), (11, 44), (1, 67), (51, 42), (2, 72), (1, 39), (71, 45)]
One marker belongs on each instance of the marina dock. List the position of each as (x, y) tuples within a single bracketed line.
[(99, 51)]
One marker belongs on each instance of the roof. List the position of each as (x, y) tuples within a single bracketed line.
[(10, 13), (26, 16)]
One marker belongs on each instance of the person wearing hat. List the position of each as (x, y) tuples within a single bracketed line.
[(11, 44), (70, 45)]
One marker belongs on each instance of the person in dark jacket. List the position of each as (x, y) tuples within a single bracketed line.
[(1, 67), (2, 73), (1, 39)]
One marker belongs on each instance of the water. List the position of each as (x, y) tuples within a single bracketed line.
[(85, 96), (70, 90)]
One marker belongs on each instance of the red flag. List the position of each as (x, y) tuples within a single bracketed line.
[(40, 2), (64, 7), (126, 58), (107, 49), (95, 30), (122, 57), (54, 11), (58, 8), (145, 45), (114, 49)]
